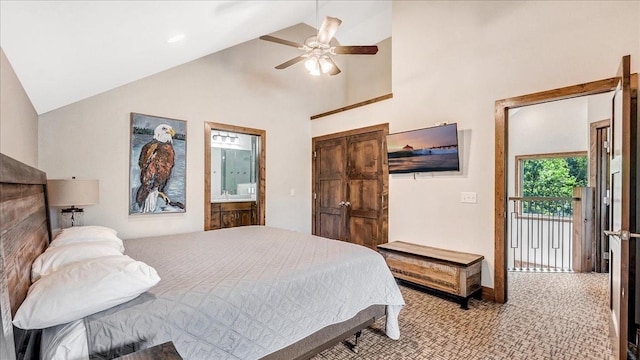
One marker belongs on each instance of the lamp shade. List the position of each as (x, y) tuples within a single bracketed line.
[(73, 192)]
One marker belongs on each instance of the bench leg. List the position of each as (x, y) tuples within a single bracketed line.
[(478, 295), (464, 303)]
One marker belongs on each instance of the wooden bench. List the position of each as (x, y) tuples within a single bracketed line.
[(454, 273)]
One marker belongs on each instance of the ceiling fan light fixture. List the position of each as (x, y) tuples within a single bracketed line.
[(312, 65), (325, 65)]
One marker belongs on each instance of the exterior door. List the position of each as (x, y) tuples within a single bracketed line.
[(350, 183), (622, 166)]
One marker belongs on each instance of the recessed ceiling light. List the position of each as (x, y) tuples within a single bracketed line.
[(175, 38)]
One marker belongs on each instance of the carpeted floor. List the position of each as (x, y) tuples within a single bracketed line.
[(548, 316)]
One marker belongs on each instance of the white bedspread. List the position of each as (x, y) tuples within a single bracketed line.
[(245, 292)]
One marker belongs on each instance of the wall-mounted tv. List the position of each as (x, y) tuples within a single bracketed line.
[(424, 150)]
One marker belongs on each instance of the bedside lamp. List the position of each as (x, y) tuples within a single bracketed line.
[(70, 193)]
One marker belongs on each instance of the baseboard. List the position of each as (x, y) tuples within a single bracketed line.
[(488, 294)]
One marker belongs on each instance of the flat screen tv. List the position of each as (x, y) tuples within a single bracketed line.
[(424, 150)]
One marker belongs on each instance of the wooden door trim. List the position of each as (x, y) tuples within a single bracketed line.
[(593, 140), (385, 168), (381, 127), (501, 146), (353, 106), (262, 151), (594, 159)]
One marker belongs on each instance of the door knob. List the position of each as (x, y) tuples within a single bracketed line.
[(342, 203), (612, 233), (347, 204), (622, 234)]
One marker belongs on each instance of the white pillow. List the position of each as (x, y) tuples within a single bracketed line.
[(82, 289), (65, 342), (56, 257), (76, 234), (89, 230)]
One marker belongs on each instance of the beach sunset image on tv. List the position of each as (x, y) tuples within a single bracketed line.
[(424, 150)]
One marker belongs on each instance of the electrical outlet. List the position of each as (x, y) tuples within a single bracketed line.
[(468, 197)]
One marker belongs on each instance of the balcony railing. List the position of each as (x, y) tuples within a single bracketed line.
[(541, 233)]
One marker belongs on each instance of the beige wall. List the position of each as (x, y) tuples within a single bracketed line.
[(451, 62), (369, 76), (18, 118), (90, 139)]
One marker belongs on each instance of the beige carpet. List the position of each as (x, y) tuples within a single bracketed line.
[(548, 316)]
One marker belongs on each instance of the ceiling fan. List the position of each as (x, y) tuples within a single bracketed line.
[(318, 49)]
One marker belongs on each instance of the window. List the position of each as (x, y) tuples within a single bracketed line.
[(550, 176)]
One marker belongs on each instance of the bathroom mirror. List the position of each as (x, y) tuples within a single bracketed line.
[(233, 165), (234, 169)]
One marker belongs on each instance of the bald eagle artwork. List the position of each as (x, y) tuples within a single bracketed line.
[(156, 162)]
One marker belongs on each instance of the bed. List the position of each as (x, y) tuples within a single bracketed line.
[(245, 293)]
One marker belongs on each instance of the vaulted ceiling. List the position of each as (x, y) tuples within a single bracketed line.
[(66, 51)]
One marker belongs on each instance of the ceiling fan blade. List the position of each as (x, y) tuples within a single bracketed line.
[(328, 29), (356, 50), (281, 41), (295, 60), (335, 70)]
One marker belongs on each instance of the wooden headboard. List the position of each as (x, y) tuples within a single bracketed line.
[(25, 231)]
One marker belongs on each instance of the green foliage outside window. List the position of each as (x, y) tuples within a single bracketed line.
[(552, 177)]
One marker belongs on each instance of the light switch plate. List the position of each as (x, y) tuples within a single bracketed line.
[(468, 197)]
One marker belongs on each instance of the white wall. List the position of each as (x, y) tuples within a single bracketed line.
[(18, 118), (368, 76), (599, 107), (451, 62), (90, 139)]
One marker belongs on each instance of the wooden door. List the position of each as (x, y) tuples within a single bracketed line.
[(330, 192), (601, 184), (365, 218), (622, 166), (350, 186)]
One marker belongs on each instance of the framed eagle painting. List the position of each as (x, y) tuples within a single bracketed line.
[(158, 162)]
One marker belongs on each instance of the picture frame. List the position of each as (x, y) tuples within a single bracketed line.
[(158, 164)]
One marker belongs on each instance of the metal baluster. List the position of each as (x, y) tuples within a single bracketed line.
[(562, 224), (539, 223), (523, 237), (542, 249), (549, 241), (513, 227), (572, 208), (555, 248)]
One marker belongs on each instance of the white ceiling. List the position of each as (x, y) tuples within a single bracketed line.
[(65, 51)]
